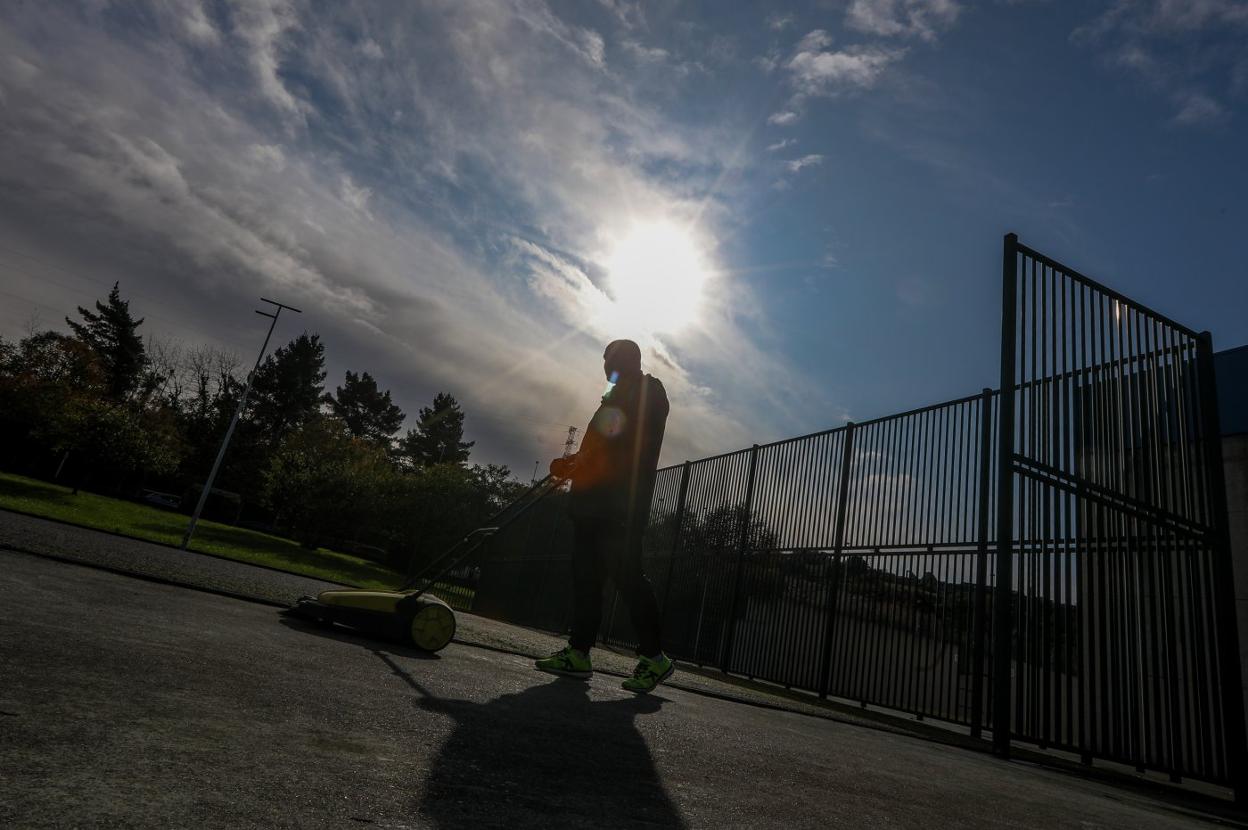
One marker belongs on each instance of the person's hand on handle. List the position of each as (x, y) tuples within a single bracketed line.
[(563, 467)]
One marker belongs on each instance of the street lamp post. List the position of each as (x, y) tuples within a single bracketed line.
[(238, 410)]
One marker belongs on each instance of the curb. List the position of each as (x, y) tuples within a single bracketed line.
[(119, 535), (146, 577)]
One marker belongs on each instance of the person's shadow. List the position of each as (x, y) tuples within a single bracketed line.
[(546, 756)]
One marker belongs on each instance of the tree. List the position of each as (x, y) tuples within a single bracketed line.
[(719, 533), (368, 413), (324, 484), (40, 378), (289, 387), (432, 507), (437, 438), (112, 333)]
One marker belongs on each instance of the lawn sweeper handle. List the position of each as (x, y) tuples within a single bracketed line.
[(472, 541)]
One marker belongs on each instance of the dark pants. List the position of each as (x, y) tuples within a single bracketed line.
[(603, 547)]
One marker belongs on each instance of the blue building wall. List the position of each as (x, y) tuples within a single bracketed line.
[(1231, 369)]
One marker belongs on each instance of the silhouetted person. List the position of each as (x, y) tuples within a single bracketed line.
[(546, 756), (612, 482)]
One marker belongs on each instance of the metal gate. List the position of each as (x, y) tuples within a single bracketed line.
[(1113, 562)]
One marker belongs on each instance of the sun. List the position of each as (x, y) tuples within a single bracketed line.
[(657, 274)]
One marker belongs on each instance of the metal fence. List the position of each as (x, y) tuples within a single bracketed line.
[(854, 562), (862, 563)]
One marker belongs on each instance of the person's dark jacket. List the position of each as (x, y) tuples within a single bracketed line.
[(615, 467)]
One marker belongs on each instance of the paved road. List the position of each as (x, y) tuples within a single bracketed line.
[(130, 703)]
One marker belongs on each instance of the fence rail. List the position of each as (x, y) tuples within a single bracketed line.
[(1073, 597)]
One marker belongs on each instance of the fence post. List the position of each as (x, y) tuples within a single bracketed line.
[(1002, 600), (1223, 578), (743, 543), (676, 538), (834, 584), (981, 565)]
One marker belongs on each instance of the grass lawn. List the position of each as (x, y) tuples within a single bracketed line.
[(142, 522)]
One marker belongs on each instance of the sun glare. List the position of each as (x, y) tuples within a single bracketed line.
[(657, 274)]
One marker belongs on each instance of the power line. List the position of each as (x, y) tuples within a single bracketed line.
[(75, 274), (76, 291)]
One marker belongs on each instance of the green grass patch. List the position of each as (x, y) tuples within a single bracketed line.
[(52, 501)]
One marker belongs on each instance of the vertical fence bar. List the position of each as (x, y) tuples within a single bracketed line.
[(981, 565), (1223, 582), (1001, 606), (677, 531), (834, 584), (743, 543)]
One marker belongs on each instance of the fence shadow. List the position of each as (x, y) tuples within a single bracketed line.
[(545, 756)]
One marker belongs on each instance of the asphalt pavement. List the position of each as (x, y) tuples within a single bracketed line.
[(127, 702)]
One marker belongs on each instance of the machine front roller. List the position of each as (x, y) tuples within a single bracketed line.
[(421, 620)]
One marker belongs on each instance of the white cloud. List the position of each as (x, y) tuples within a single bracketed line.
[(923, 19), (593, 47), (783, 118), (781, 144), (262, 25), (372, 49), (269, 155), (195, 22), (819, 73), (630, 15), (796, 165), (813, 41), (1197, 108), (779, 22), (17, 72), (644, 54), (355, 196), (1194, 15), (768, 62), (1182, 51)]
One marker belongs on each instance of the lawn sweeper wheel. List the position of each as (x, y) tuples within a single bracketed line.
[(431, 624)]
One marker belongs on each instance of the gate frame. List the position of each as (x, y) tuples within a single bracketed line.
[(1227, 633), (1229, 668)]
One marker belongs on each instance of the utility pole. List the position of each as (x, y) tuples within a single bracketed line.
[(238, 410)]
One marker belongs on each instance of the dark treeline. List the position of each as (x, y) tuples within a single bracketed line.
[(100, 408)]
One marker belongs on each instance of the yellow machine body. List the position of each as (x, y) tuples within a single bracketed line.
[(422, 620)]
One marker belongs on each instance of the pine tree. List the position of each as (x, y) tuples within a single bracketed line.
[(112, 334), (289, 386), (437, 438), (368, 413)]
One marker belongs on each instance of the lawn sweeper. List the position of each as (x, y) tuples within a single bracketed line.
[(410, 614)]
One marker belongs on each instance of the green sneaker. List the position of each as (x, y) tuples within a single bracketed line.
[(648, 674), (568, 662)]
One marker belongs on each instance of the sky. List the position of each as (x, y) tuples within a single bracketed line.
[(796, 209)]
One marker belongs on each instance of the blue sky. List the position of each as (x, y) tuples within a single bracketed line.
[(448, 189)]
